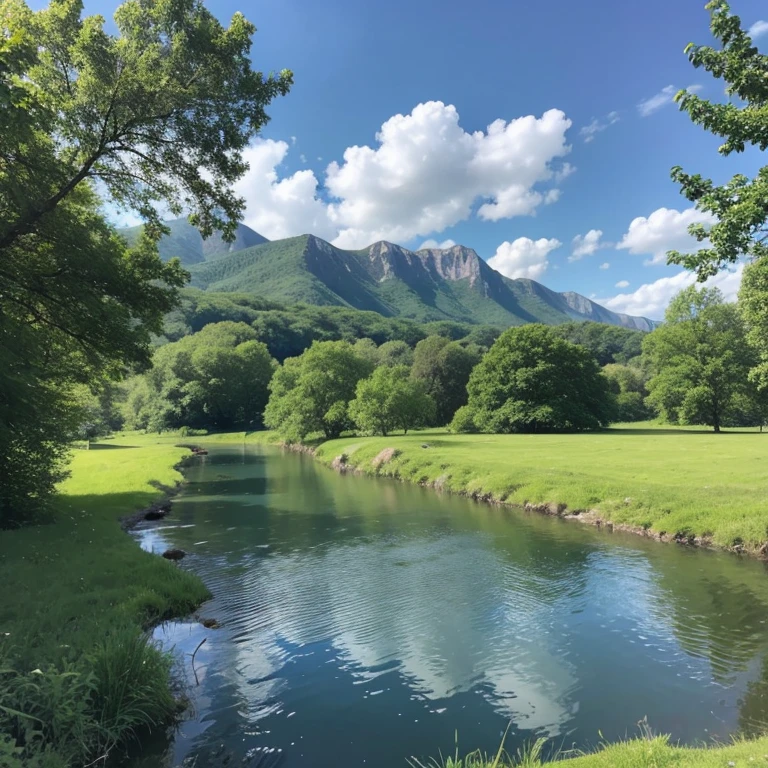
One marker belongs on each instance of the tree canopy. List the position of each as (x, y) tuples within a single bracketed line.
[(311, 393), (390, 399), (700, 361), (739, 207), (156, 115), (532, 380), (444, 367)]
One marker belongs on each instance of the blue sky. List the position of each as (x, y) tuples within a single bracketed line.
[(577, 151)]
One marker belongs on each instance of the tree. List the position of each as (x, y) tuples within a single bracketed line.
[(395, 353), (311, 393), (215, 379), (608, 343), (628, 385), (700, 360), (159, 113), (740, 207), (389, 399), (532, 380), (444, 367), (753, 304)]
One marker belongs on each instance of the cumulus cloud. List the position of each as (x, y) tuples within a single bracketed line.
[(598, 125), (586, 245), (651, 299), (758, 29), (427, 172), (664, 97), (277, 207), (424, 174), (605, 265), (434, 244), (622, 284), (523, 257), (666, 229)]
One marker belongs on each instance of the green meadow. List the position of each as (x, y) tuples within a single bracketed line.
[(78, 595)]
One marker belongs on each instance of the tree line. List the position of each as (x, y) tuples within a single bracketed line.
[(695, 368)]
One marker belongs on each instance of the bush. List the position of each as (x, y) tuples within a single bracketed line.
[(463, 421)]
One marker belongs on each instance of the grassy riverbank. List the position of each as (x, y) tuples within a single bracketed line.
[(664, 480), (638, 753), (77, 593)]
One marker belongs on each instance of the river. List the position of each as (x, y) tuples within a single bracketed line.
[(365, 621)]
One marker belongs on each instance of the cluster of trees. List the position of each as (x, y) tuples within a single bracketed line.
[(335, 386)]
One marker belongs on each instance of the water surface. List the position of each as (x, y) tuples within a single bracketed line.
[(366, 621)]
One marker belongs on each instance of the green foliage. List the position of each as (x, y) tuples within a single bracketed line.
[(628, 385), (311, 393), (753, 301), (700, 360), (389, 399), (608, 343), (463, 421), (159, 112), (395, 353), (215, 379), (79, 595), (532, 380), (740, 207), (444, 367)]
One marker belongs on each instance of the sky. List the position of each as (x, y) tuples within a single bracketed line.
[(541, 133)]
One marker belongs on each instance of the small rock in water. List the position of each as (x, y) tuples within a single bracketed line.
[(210, 623), (174, 554)]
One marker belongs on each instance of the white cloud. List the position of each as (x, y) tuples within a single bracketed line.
[(293, 139), (598, 125), (523, 257), (651, 299), (666, 229), (280, 207), (622, 284), (425, 174), (586, 245), (758, 29), (303, 158), (605, 265), (661, 99), (434, 244)]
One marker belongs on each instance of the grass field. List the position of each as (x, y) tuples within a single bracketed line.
[(78, 591), (666, 480)]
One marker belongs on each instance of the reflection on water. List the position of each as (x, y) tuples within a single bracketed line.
[(367, 621)]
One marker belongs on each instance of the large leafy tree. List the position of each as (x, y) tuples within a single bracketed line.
[(444, 366), (740, 206), (389, 399), (311, 393), (214, 379), (154, 116), (533, 380), (700, 361)]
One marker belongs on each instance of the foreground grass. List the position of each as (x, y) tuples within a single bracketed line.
[(638, 753), (665, 480), (77, 673)]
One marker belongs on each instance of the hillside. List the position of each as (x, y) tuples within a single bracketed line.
[(425, 285), (186, 242)]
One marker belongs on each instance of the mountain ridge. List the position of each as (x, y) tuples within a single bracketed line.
[(425, 285)]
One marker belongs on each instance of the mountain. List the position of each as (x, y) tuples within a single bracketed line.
[(425, 285), (186, 242)]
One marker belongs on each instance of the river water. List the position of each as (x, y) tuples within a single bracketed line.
[(365, 622)]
